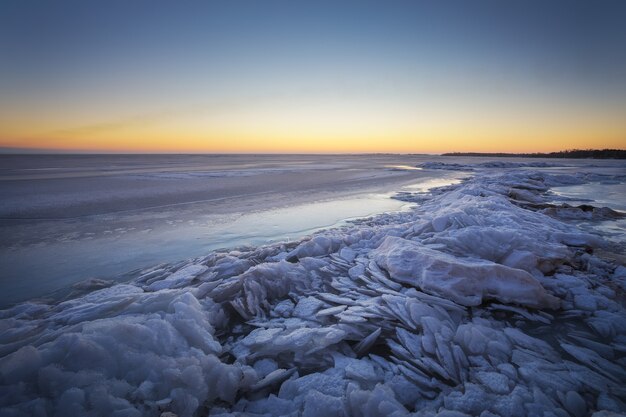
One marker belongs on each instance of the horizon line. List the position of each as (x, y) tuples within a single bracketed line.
[(43, 151)]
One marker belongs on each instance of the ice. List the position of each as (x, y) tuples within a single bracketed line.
[(360, 370), (495, 382), (326, 383), (364, 345), (474, 302), (272, 378), (596, 362), (380, 401), (317, 404), (179, 278), (464, 281), (472, 401), (319, 245), (307, 307), (173, 353), (575, 404)]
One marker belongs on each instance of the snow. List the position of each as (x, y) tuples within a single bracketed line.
[(475, 302)]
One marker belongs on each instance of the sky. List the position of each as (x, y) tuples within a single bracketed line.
[(312, 76)]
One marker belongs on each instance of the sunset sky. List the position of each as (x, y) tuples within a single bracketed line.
[(295, 76)]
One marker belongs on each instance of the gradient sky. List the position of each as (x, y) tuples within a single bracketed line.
[(292, 76)]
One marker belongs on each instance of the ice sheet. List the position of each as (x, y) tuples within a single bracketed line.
[(356, 320)]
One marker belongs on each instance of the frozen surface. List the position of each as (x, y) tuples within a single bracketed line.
[(481, 300), (60, 214)]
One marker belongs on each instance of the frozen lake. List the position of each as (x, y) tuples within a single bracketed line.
[(65, 219)]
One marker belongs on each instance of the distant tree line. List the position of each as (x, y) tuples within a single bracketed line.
[(571, 153)]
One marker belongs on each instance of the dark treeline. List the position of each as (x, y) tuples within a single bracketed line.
[(573, 153)]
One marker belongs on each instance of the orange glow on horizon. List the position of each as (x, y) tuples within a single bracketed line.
[(315, 128), (231, 143)]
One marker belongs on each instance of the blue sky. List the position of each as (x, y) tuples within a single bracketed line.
[(82, 67)]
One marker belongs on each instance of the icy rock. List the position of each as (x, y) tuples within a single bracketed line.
[(463, 281)]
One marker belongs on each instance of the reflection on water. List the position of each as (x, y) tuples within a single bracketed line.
[(427, 185), (40, 269), (404, 167)]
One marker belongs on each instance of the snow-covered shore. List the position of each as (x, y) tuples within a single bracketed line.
[(484, 299)]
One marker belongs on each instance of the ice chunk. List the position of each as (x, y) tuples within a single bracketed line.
[(347, 254), (380, 401), (361, 370), (494, 381), (318, 246), (364, 345), (317, 404), (466, 282), (273, 378), (307, 307), (179, 278), (575, 404), (325, 383), (473, 401), (265, 366), (284, 308), (302, 341)]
